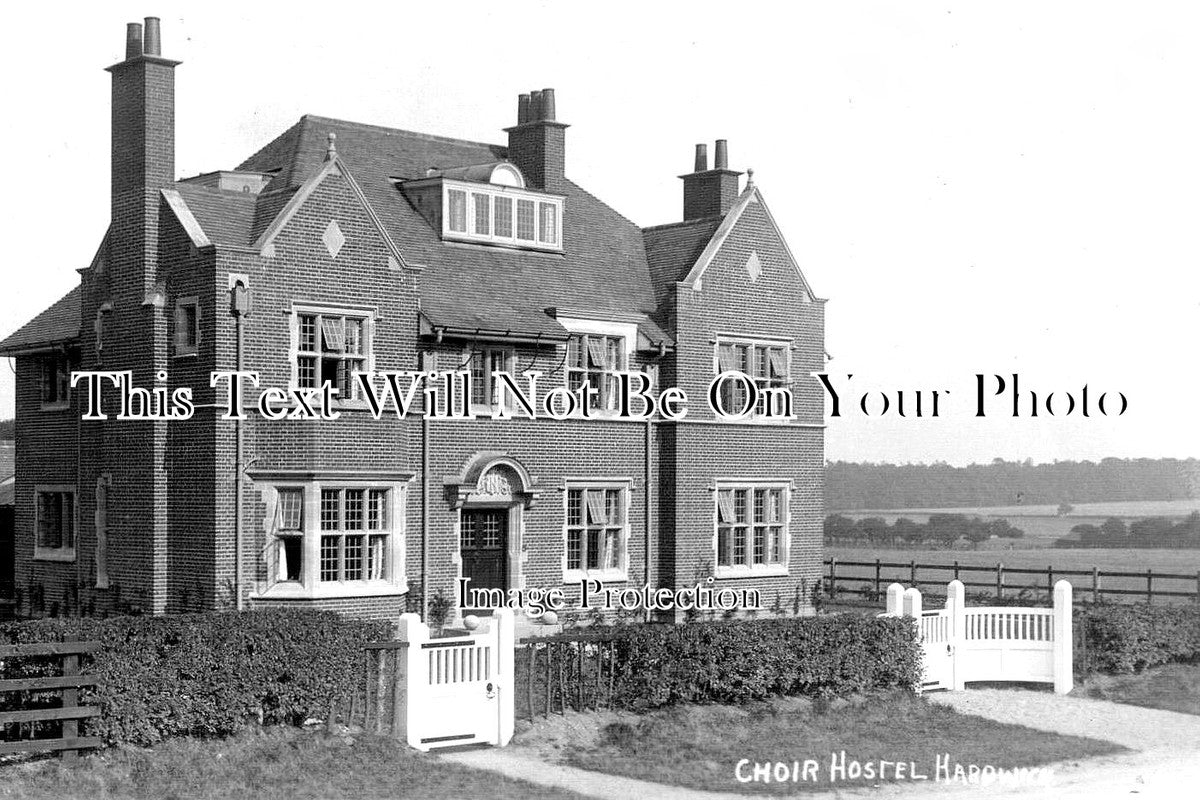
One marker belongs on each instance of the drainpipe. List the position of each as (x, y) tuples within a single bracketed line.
[(425, 504), (648, 511), (240, 308)]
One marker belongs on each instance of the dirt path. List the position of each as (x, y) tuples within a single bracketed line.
[(1165, 763)]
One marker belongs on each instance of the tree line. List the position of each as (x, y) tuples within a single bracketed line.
[(942, 530), (1149, 532), (854, 486)]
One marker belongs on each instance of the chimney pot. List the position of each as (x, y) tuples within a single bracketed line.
[(721, 160), (522, 109), (701, 158), (133, 40), (535, 105), (153, 41), (548, 104)]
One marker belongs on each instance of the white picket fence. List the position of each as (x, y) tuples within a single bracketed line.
[(456, 690), (1001, 643)]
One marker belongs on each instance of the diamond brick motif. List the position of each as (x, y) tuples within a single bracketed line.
[(333, 238), (754, 266)]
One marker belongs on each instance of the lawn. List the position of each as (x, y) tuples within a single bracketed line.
[(274, 764), (700, 747), (1174, 687)]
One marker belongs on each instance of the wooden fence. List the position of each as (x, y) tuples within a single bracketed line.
[(14, 725), (869, 579), (555, 673)]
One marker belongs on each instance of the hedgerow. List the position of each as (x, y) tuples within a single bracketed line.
[(1129, 638), (729, 662), (205, 674)]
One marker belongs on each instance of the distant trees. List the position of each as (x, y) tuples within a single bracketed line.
[(1149, 532), (8, 429), (851, 486), (942, 530)]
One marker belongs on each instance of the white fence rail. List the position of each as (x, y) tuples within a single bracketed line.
[(1001, 643)]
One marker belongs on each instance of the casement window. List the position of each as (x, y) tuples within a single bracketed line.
[(487, 392), (331, 345), (766, 363), (101, 325), (597, 530), (493, 214), (56, 380), (596, 358), (751, 529), (335, 539), (187, 326), (54, 523)]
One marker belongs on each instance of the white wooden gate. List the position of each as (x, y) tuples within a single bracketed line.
[(457, 690), (1001, 643)]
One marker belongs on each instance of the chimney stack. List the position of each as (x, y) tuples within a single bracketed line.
[(133, 40), (153, 40), (537, 144), (710, 192)]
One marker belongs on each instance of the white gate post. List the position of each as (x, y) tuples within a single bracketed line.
[(505, 672), (1064, 671), (956, 598), (412, 681), (912, 602), (895, 599)]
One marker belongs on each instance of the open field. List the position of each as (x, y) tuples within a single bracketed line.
[(1181, 562)]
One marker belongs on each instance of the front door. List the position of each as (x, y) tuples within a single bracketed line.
[(484, 547)]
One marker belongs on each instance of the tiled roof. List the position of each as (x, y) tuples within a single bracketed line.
[(603, 265), (226, 217), (671, 250), (57, 324)]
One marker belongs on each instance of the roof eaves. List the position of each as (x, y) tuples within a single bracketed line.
[(186, 218)]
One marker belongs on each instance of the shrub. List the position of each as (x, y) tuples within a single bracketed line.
[(658, 665), (206, 674), (1129, 638)]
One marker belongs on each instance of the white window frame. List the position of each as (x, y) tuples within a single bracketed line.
[(625, 331), (750, 569), (63, 552), (472, 232), (310, 585), (492, 389), (49, 363), (182, 347), (294, 353), (608, 574), (753, 344)]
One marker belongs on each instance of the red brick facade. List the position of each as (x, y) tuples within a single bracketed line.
[(326, 236)]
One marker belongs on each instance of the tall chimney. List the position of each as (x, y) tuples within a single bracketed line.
[(537, 143), (710, 192), (133, 40), (153, 41)]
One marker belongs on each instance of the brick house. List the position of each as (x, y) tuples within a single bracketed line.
[(342, 247)]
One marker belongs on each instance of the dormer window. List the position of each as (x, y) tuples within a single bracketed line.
[(501, 215)]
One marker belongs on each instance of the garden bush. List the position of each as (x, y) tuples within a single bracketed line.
[(205, 674), (729, 662), (1129, 638)]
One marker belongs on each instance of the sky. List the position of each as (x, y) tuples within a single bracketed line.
[(975, 188)]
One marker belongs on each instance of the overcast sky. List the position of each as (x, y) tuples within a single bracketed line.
[(992, 188)]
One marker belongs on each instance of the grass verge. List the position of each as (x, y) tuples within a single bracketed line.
[(700, 746), (273, 764), (1174, 687)]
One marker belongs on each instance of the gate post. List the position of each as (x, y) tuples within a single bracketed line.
[(409, 681), (1064, 674), (506, 645), (956, 597), (895, 599), (912, 602)]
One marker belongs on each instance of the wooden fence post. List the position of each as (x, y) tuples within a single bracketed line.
[(1064, 674), (506, 673), (413, 709), (895, 599), (1050, 580), (956, 600), (833, 577), (912, 572), (1000, 580), (1149, 586), (877, 571), (912, 602), (1095, 584), (70, 699), (956, 569)]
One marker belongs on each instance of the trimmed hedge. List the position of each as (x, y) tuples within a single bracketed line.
[(206, 674), (1129, 638), (729, 662)]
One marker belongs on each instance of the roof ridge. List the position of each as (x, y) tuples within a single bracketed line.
[(709, 220), (429, 136)]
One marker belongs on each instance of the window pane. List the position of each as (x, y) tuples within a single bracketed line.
[(525, 220), (330, 516), (724, 535), (290, 505), (308, 333), (574, 548), (483, 214), (190, 328), (504, 216), (760, 544), (593, 548), (458, 211), (376, 569), (333, 334), (575, 507), (353, 566), (306, 372), (354, 335), (291, 558), (354, 509), (377, 510), (548, 223), (612, 548), (329, 557)]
